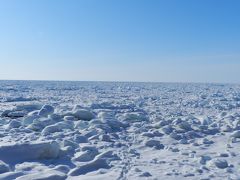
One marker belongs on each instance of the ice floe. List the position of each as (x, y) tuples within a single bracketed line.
[(99, 130)]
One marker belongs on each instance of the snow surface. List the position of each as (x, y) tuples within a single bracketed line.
[(103, 130)]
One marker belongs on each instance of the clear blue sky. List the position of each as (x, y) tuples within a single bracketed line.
[(122, 40)]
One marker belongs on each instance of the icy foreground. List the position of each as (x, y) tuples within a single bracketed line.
[(97, 130)]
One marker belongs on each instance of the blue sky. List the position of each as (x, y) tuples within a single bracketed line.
[(120, 40)]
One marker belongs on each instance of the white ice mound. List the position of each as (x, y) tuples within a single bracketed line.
[(14, 124), (10, 175), (29, 119), (85, 156), (134, 117), (100, 161), (58, 127), (236, 134), (81, 125), (206, 121), (93, 165), (114, 124), (28, 107), (83, 114), (46, 110), (185, 126), (25, 152), (105, 115), (37, 124), (108, 125), (44, 175), (88, 153)]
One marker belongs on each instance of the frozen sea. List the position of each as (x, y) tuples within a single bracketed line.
[(55, 130)]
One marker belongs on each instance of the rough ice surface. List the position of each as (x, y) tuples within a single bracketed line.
[(103, 130)]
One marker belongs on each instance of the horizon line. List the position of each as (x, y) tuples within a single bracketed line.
[(121, 81)]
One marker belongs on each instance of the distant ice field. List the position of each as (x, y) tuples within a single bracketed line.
[(117, 130)]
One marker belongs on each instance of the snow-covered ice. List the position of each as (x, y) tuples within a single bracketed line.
[(103, 130)]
